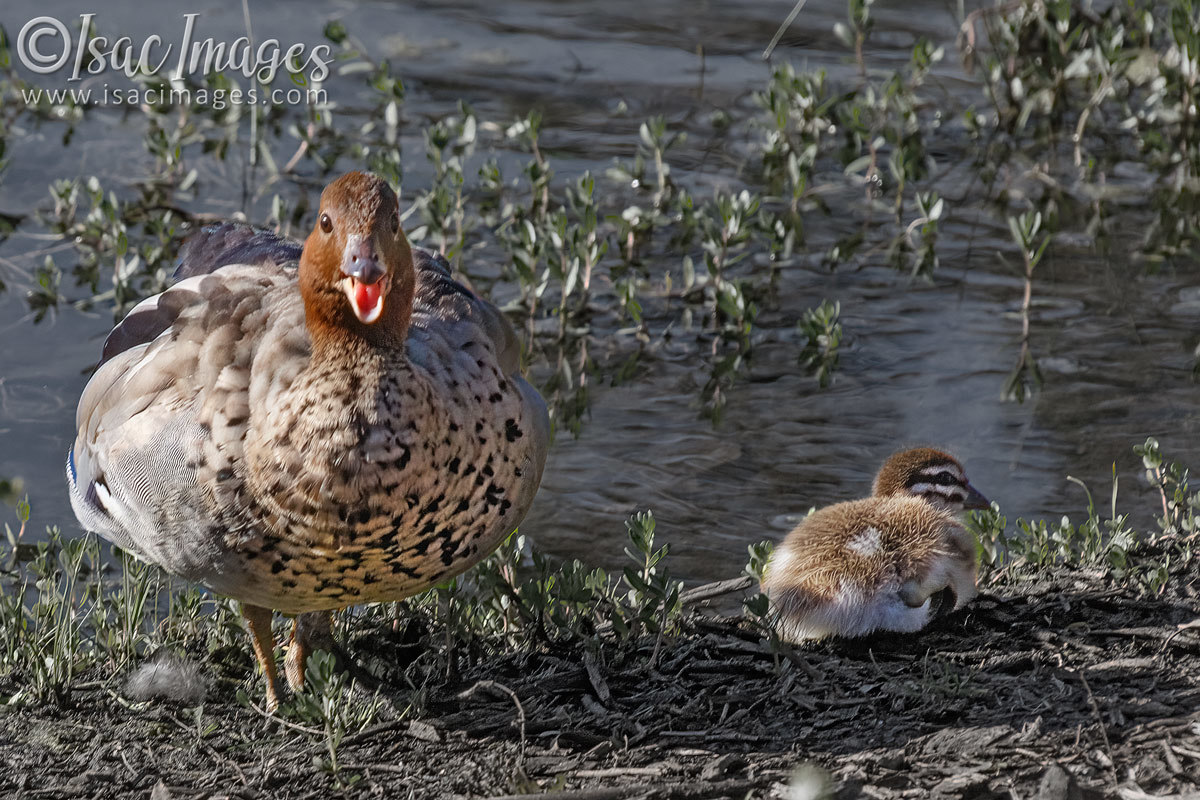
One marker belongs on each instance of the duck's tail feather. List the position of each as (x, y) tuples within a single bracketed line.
[(85, 500)]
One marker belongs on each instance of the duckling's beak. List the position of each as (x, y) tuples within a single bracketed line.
[(365, 283), (911, 594), (975, 499), (941, 602)]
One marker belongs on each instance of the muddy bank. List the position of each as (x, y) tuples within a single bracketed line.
[(1062, 687)]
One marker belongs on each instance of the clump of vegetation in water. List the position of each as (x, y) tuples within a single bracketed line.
[(1105, 540), (634, 246), (601, 270)]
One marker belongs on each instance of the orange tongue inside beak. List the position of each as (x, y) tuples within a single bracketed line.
[(366, 296)]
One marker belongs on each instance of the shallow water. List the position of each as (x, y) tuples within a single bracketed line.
[(923, 362)]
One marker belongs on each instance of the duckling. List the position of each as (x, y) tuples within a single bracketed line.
[(305, 427), (892, 561)]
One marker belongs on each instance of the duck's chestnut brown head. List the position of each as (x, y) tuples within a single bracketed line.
[(356, 271)]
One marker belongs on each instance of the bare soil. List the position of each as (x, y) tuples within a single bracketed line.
[(1066, 688)]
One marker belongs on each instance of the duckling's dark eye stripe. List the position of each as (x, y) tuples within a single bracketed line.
[(940, 478), (930, 491)]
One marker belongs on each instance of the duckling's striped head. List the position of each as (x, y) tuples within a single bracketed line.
[(931, 474)]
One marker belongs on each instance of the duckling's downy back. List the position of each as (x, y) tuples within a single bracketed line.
[(867, 565)]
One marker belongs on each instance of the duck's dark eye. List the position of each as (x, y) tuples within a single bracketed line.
[(945, 478), (326, 223)]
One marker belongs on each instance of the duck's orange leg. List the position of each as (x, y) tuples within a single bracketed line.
[(258, 619), (311, 631)]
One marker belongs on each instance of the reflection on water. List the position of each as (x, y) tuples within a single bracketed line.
[(923, 362)]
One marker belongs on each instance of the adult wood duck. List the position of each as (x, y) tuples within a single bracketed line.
[(308, 427), (892, 561)]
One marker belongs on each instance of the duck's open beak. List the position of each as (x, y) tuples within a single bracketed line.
[(975, 499), (365, 283)]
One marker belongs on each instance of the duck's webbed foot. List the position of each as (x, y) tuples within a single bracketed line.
[(258, 620), (313, 630)]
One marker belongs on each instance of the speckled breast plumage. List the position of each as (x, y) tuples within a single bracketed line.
[(416, 481)]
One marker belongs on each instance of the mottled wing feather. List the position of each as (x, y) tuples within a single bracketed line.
[(174, 395), (147, 320), (440, 297), (224, 243), (209, 249), (445, 310)]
